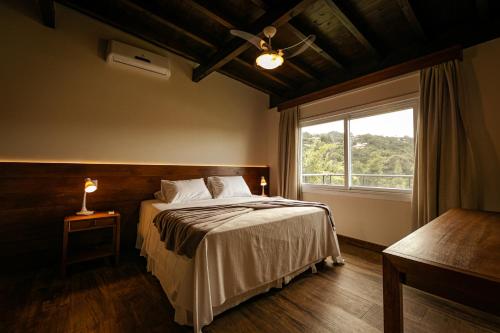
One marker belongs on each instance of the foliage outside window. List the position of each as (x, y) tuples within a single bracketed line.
[(374, 150)]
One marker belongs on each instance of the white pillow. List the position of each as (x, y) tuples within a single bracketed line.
[(184, 190), (228, 187)]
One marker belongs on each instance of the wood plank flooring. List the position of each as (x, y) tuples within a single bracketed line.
[(97, 297)]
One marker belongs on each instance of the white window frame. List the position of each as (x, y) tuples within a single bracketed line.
[(380, 107)]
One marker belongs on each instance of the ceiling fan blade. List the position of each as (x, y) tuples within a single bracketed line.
[(255, 40), (305, 44)]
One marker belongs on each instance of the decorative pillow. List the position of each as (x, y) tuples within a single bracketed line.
[(184, 190), (227, 187)]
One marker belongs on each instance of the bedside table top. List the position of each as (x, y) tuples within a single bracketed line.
[(98, 215)]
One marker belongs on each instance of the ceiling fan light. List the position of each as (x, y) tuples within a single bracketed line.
[(269, 60)]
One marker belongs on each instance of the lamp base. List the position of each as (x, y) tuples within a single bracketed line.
[(263, 191), (85, 212)]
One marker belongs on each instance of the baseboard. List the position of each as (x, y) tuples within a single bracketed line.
[(361, 243)]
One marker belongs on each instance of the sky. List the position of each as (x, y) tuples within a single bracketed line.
[(395, 124)]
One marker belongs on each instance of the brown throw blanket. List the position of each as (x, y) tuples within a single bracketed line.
[(183, 229)]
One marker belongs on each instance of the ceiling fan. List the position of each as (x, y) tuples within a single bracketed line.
[(269, 58)]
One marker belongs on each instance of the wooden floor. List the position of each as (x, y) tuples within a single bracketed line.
[(97, 297)]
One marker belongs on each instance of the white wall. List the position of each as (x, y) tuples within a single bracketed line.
[(60, 100)]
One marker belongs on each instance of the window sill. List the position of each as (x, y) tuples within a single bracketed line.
[(370, 193)]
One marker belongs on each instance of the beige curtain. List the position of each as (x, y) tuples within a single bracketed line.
[(443, 160), (288, 154)]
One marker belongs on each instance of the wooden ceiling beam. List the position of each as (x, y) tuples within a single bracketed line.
[(276, 16), (48, 12), (483, 10), (321, 50), (409, 13), (384, 74), (353, 29), (144, 11), (211, 12)]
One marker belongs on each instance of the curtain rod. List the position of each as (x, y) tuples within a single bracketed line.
[(432, 59)]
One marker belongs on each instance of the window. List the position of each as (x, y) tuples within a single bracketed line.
[(323, 153), (368, 149)]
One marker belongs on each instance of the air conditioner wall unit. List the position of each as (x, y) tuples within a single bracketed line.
[(132, 57)]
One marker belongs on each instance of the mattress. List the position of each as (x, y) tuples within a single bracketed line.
[(246, 256)]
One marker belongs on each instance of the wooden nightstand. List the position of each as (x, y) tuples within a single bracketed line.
[(86, 223)]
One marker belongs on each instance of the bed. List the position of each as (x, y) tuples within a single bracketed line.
[(247, 256)]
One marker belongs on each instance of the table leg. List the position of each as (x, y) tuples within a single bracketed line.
[(393, 301), (117, 240), (64, 249)]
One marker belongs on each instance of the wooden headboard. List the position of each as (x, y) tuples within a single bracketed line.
[(34, 198)]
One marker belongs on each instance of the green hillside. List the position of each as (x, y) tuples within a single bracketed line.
[(371, 155)]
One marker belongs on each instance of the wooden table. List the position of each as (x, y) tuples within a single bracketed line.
[(455, 256), (86, 223)]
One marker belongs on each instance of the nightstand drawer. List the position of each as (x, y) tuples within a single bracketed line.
[(84, 224), (105, 222)]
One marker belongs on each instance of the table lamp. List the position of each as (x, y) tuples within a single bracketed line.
[(263, 183), (89, 187)]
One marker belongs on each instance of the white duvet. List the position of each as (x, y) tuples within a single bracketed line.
[(240, 259)]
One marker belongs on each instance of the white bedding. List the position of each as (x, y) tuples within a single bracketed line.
[(240, 259)]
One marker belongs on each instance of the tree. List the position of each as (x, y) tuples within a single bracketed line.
[(372, 157)]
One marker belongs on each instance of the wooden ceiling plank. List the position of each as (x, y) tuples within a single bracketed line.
[(384, 74), (276, 16), (483, 9), (317, 47), (261, 4), (301, 70), (409, 13), (48, 12), (347, 22), (212, 13), (138, 8)]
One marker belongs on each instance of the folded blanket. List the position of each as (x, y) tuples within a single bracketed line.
[(183, 229)]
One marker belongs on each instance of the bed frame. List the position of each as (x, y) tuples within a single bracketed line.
[(35, 197)]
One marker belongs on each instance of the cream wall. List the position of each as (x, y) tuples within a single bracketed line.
[(384, 221), (371, 218), (482, 117), (60, 100)]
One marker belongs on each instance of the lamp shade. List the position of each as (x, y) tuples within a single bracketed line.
[(269, 60), (263, 181), (90, 185)]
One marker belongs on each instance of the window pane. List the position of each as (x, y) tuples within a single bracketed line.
[(323, 153), (382, 150)]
